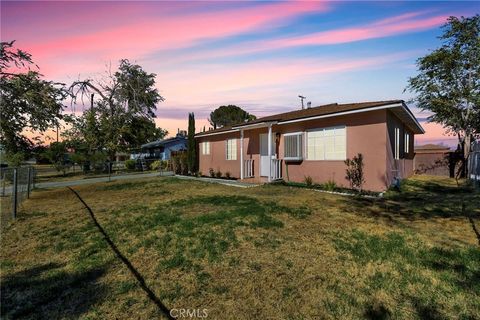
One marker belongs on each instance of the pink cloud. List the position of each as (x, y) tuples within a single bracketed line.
[(166, 31), (383, 28), (401, 24)]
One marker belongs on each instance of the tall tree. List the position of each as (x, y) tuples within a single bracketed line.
[(123, 110), (28, 103), (191, 148), (448, 82), (229, 115)]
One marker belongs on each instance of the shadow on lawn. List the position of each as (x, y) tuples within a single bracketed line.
[(420, 200), (47, 291)]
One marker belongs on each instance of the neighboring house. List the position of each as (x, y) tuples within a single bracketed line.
[(162, 149), (474, 164), (433, 159), (315, 142)]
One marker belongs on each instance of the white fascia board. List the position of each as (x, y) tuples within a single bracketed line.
[(255, 125), (413, 117), (206, 134), (336, 114)]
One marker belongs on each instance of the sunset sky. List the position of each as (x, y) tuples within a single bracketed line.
[(257, 55)]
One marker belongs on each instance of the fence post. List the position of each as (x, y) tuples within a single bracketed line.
[(109, 171), (29, 183), (4, 172), (14, 194)]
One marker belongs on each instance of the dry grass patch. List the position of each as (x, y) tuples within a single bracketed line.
[(267, 252)]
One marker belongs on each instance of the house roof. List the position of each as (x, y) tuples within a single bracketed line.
[(159, 143), (329, 110), (431, 148)]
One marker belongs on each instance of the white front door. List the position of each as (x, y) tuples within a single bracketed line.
[(264, 153)]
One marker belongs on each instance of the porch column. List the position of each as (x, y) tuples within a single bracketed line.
[(241, 155), (270, 152)]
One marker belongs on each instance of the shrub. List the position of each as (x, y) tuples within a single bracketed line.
[(218, 174), (78, 158), (15, 159), (156, 165), (308, 181), (176, 164), (354, 172), (227, 175), (179, 162), (330, 185), (211, 172), (164, 165), (130, 164), (184, 163)]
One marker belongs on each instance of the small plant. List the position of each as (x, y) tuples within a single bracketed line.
[(354, 172), (218, 174), (156, 165), (130, 164), (165, 165), (227, 175), (211, 172), (308, 181), (330, 185)]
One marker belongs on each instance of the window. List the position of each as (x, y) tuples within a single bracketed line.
[(327, 144), (206, 147), (293, 146), (397, 143), (407, 143), (231, 149)]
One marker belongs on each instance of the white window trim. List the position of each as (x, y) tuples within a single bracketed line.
[(226, 149), (406, 142), (325, 128), (205, 149), (397, 144)]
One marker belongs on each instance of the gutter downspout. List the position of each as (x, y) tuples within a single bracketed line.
[(241, 155), (270, 152)]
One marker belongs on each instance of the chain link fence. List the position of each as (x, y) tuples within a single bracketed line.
[(16, 185), (474, 164)]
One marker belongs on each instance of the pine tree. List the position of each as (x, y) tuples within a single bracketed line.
[(191, 150)]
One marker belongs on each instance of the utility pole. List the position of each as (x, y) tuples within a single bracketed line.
[(302, 98)]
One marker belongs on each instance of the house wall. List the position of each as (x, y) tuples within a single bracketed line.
[(402, 167), (370, 133), (177, 146), (365, 134), (216, 160)]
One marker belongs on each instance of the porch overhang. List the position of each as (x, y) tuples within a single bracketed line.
[(247, 126)]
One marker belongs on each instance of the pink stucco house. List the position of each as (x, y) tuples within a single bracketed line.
[(315, 142)]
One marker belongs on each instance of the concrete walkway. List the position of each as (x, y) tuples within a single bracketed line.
[(232, 183)]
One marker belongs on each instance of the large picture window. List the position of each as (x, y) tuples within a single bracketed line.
[(293, 146), (231, 149), (327, 144), (206, 147)]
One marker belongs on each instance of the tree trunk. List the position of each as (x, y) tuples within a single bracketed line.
[(466, 152)]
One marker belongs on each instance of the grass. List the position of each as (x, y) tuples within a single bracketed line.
[(267, 252)]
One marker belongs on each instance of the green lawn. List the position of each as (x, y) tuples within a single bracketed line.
[(268, 252)]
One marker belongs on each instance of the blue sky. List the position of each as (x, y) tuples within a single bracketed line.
[(258, 55)]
